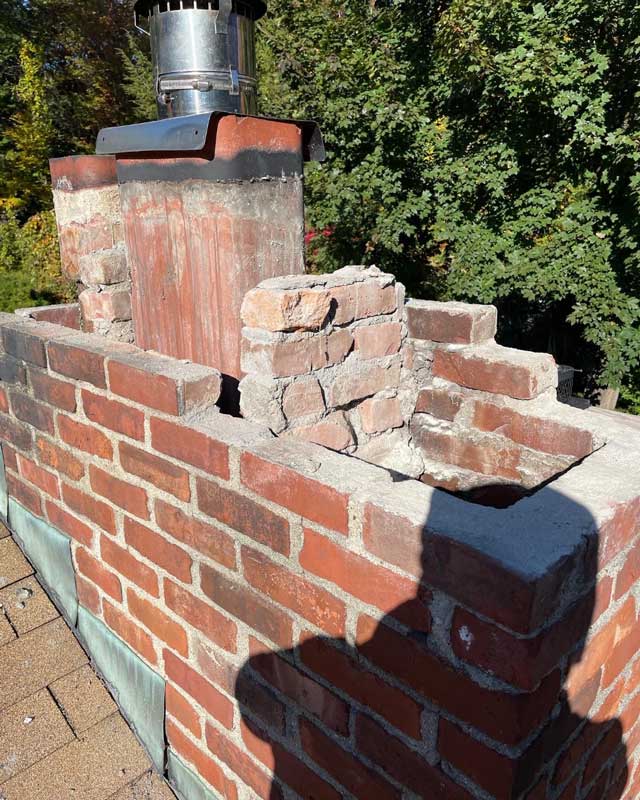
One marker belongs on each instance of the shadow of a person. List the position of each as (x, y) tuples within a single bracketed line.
[(328, 699)]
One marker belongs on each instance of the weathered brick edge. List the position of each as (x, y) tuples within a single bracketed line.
[(201, 541)]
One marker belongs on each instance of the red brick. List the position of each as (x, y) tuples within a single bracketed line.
[(378, 341), (10, 457), (50, 390), (487, 768), (89, 507), (205, 618), (158, 623), (303, 398), (190, 446), (598, 790), (92, 569), (217, 669), (4, 402), (630, 572), (32, 412), (362, 300), (315, 604), (289, 769), (381, 414), (307, 693), (521, 662), (403, 764), (451, 323), (85, 438), (12, 371), (507, 718), (243, 766), (160, 473), (354, 574), (114, 415), (206, 768), (603, 751), (358, 779), (26, 342), (109, 304), (368, 380), (294, 357), (247, 606), (181, 709), (24, 494), (346, 673), (78, 363), (16, 434), (333, 432), (206, 539), (88, 596), (131, 498), (497, 370), (39, 477), (157, 549), (149, 380), (539, 791), (69, 524), (546, 435), (206, 695), (244, 515), (123, 562), (623, 653), (260, 700), (58, 459), (619, 530), (631, 714), (488, 458), (67, 316), (440, 403), (311, 499), (286, 310), (134, 636), (604, 588)]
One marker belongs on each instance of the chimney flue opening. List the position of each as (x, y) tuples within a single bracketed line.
[(203, 54)]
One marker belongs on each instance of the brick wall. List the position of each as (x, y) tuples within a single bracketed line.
[(323, 630)]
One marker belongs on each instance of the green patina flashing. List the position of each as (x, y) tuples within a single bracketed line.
[(137, 689), (50, 553), (186, 784), (4, 496)]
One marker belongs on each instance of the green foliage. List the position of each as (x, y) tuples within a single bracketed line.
[(480, 149)]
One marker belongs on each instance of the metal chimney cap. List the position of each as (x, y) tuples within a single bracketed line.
[(258, 7)]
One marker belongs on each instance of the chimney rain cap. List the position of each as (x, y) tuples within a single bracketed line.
[(257, 8)]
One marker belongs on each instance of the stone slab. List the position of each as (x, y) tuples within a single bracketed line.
[(27, 606), (83, 698)]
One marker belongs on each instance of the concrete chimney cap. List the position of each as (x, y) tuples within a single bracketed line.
[(258, 8)]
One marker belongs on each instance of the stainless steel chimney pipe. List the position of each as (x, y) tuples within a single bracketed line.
[(203, 54)]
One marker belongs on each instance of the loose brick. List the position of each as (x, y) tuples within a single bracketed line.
[(451, 323), (311, 499), (89, 507), (134, 636), (334, 432), (50, 390), (164, 384), (206, 539), (190, 446), (114, 415), (68, 524), (32, 412), (38, 477), (368, 380), (157, 549), (75, 361), (403, 764), (342, 670), (247, 606), (206, 695), (295, 309), (289, 769), (58, 459), (15, 433), (243, 766), (303, 398), (440, 403), (205, 767), (294, 357), (362, 300), (354, 574), (122, 494), (88, 596), (498, 370), (358, 779), (181, 709), (318, 606), (158, 623), (381, 414), (507, 718), (244, 515), (155, 470), (546, 435), (126, 564), (26, 495), (304, 691), (378, 341), (85, 438), (104, 268), (12, 371), (92, 569), (216, 626), (110, 305)]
